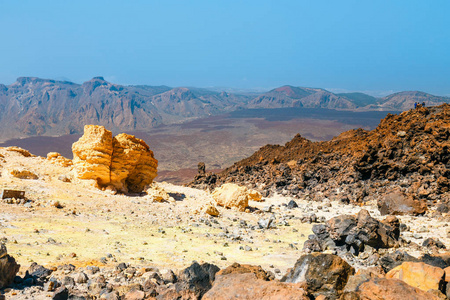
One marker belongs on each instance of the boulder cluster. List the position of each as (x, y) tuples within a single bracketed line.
[(354, 234), (314, 276), (408, 152), (123, 163)]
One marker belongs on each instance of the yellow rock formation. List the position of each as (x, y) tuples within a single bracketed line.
[(419, 275), (24, 152), (211, 210), (23, 174), (133, 165), (56, 158), (158, 194), (255, 195), (231, 195), (92, 154), (124, 162)]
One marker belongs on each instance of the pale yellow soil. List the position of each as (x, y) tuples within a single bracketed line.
[(92, 224)]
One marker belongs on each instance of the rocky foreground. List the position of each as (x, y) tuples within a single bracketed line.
[(68, 237)]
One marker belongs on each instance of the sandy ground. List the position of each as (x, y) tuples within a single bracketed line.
[(94, 227)]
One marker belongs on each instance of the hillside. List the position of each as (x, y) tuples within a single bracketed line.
[(406, 100), (408, 152), (42, 107), (359, 99), (289, 96), (33, 106)]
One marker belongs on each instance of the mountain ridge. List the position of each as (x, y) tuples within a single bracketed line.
[(33, 106)]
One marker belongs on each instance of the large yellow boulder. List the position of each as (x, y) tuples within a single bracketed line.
[(124, 162), (419, 275), (133, 166), (231, 195), (92, 155)]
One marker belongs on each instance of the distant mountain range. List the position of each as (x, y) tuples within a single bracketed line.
[(32, 106)]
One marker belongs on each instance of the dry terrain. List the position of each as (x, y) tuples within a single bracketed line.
[(76, 223), (219, 141)]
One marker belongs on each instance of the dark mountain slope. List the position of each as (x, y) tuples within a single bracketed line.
[(359, 99), (409, 152)]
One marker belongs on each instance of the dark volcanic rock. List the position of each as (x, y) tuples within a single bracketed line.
[(375, 233), (324, 274), (390, 261), (340, 227), (412, 148), (313, 245), (201, 168), (61, 293), (443, 207), (440, 261), (430, 242), (352, 234), (37, 273), (8, 267), (292, 204), (203, 179), (193, 282)]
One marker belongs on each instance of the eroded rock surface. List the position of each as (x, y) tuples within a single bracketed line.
[(236, 268), (57, 158), (388, 289), (324, 274), (124, 162), (132, 165), (419, 275), (23, 174), (92, 154), (231, 195), (248, 286), (397, 203)]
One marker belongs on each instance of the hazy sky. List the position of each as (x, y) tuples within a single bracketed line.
[(377, 46)]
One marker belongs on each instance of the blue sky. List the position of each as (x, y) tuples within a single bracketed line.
[(373, 46)]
